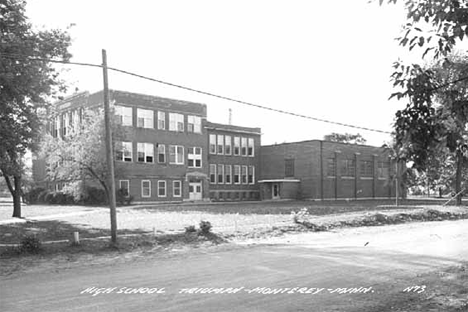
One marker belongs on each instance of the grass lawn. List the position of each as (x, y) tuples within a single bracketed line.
[(317, 208)]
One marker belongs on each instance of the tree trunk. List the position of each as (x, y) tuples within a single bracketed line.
[(458, 177), (15, 193)]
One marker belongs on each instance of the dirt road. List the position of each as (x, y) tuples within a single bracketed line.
[(363, 269)]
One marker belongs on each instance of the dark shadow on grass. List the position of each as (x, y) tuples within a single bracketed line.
[(52, 230)]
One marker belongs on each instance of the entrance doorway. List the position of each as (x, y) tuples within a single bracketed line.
[(275, 191), (195, 191)]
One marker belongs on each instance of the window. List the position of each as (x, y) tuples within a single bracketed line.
[(56, 126), (161, 120), (124, 186), (194, 157), (145, 188), (383, 171), (347, 167), (161, 153), (213, 174), (176, 188), (228, 171), (220, 148), (227, 145), (75, 120), (331, 167), (145, 152), (367, 168), (244, 146), (162, 188), (145, 118), (124, 115), (220, 174), (289, 167), (251, 175), (176, 122), (250, 147), (236, 146), (194, 124), (176, 154), (244, 174), (65, 124), (212, 143), (124, 151), (236, 174)]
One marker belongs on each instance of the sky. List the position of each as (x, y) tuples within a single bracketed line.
[(325, 59)]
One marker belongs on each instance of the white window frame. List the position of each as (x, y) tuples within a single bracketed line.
[(127, 152), (251, 169), (250, 147), (176, 122), (145, 118), (227, 145), (148, 150), (213, 168), (161, 151), (126, 115), (228, 173), (237, 145), (194, 156), (212, 143), (128, 187), (220, 174), (143, 188), (161, 120), (165, 188), (237, 168), (194, 124), (244, 175), (244, 146), (176, 151), (220, 144), (174, 188)]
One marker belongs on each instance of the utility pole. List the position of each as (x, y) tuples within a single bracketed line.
[(109, 151), (396, 181)]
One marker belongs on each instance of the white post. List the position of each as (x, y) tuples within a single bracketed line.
[(76, 238)]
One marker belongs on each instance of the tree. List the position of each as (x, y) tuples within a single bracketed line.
[(345, 138), (81, 153), (27, 79), (423, 128)]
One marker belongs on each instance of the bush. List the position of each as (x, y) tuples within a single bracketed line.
[(30, 243), (32, 197), (95, 196), (122, 197), (205, 227), (190, 229), (48, 197)]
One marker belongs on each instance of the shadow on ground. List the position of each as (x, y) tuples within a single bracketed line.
[(52, 230)]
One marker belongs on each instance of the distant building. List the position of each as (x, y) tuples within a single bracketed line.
[(234, 160), (325, 170)]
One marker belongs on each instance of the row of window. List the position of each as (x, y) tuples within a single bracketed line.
[(145, 119), (226, 145), (232, 174), (348, 168), (161, 191), (63, 123), (145, 154)]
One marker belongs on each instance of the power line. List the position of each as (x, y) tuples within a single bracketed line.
[(202, 92)]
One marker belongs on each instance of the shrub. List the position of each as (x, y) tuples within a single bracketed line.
[(122, 197), (95, 196), (30, 243), (190, 229), (33, 195), (300, 216), (48, 197), (205, 227)]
